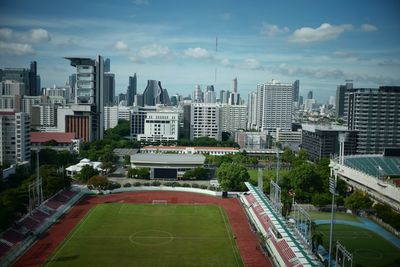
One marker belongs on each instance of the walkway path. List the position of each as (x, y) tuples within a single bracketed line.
[(367, 224)]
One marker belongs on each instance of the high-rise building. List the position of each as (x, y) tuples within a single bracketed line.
[(204, 121), (90, 93), (310, 95), (234, 85), (132, 90), (198, 94), (112, 114), (252, 111), (375, 114), (340, 94), (296, 90), (14, 137), (274, 106), (109, 89), (154, 94), (8, 87), (33, 84), (233, 117), (209, 95)]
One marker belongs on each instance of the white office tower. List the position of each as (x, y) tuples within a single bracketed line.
[(59, 91), (11, 87), (209, 97), (252, 111), (331, 101), (275, 104), (48, 115), (14, 137), (233, 117), (160, 125), (308, 105), (204, 121), (197, 94), (115, 113)]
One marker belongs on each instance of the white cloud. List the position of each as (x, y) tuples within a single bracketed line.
[(324, 32), (120, 45), (251, 64), (16, 49), (141, 2), (368, 28), (227, 63), (272, 30), (197, 53), (38, 35), (226, 16), (150, 51)]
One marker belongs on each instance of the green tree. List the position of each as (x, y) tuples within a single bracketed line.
[(127, 160), (196, 173), (99, 182), (139, 173), (86, 172), (231, 176), (358, 201)]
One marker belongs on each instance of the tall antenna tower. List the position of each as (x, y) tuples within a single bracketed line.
[(216, 51)]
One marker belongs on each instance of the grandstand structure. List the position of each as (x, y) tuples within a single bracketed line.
[(284, 246), (23, 233), (375, 175)]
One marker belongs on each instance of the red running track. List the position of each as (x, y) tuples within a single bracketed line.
[(245, 238)]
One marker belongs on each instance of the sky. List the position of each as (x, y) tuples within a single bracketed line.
[(320, 43)]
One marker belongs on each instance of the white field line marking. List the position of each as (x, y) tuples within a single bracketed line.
[(71, 235), (156, 237), (230, 238)]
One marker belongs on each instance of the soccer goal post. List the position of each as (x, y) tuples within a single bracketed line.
[(160, 201)]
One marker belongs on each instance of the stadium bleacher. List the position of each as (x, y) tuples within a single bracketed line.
[(30, 223), (374, 165)]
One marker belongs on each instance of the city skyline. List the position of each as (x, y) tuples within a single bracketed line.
[(320, 44)]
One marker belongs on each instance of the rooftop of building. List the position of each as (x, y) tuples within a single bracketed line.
[(320, 127), (375, 165), (168, 158), (41, 137), (190, 147)]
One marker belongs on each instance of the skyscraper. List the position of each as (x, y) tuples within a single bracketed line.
[(154, 94), (310, 95), (234, 85), (375, 114), (296, 89), (198, 94), (89, 92), (109, 89), (33, 90), (132, 90)]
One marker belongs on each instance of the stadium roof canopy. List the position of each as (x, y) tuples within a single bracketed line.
[(374, 165)]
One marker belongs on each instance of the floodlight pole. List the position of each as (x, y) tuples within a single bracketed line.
[(332, 190)]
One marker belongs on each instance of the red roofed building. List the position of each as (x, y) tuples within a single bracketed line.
[(63, 139)]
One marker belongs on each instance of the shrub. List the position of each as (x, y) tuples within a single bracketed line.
[(176, 184), (168, 183), (127, 185), (156, 183), (146, 184), (137, 184), (186, 185), (203, 186), (195, 185)]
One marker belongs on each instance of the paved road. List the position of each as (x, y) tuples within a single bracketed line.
[(367, 224)]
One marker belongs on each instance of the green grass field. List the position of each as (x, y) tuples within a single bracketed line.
[(368, 248), (315, 215), (150, 235)]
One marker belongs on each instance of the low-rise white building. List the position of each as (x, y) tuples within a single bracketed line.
[(216, 151), (75, 169)]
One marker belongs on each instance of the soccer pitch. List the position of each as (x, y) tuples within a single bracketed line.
[(368, 248), (117, 234)]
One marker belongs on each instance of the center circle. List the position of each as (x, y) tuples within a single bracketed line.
[(368, 253), (151, 238)]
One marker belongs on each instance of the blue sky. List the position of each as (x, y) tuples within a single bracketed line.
[(321, 43)]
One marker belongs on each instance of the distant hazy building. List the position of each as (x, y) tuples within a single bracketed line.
[(233, 117), (9, 87), (310, 95), (197, 94), (204, 121), (209, 95), (109, 89), (375, 115), (153, 95), (59, 91), (234, 85), (224, 96), (296, 90), (253, 140), (14, 137), (252, 111), (132, 90), (340, 95)]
